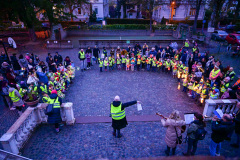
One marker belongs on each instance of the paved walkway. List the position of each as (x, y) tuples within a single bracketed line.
[(92, 93)]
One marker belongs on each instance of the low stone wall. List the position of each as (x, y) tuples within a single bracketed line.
[(226, 105), (86, 33), (19, 133), (123, 43)]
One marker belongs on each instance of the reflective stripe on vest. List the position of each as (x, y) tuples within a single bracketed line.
[(100, 63), (55, 102), (44, 89), (127, 60), (118, 61), (123, 60), (82, 54), (203, 94), (186, 44), (117, 112), (213, 96), (13, 97), (105, 63), (154, 63), (224, 87), (21, 92), (214, 73), (138, 61)]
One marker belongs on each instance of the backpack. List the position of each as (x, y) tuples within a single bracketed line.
[(200, 133)]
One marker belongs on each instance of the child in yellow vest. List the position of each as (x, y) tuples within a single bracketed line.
[(100, 64), (185, 83), (106, 64), (118, 63), (127, 63), (174, 67), (138, 62)]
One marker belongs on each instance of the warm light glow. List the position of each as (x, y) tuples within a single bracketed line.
[(179, 86), (202, 100), (173, 2)]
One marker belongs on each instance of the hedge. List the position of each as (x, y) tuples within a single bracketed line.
[(132, 27), (127, 21), (67, 24)]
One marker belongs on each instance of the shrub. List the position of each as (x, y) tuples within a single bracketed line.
[(127, 21)]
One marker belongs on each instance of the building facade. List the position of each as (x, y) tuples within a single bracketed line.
[(99, 6), (181, 11)]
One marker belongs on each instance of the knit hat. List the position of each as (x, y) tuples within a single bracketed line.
[(117, 98), (54, 92)]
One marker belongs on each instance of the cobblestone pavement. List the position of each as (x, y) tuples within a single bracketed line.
[(92, 93), (93, 141)]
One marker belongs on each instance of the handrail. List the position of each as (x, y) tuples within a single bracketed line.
[(226, 105), (12, 156), (19, 133)]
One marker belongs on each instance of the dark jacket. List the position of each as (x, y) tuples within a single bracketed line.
[(59, 58), (15, 63), (184, 57), (122, 123), (237, 122), (96, 51), (193, 128), (55, 117), (221, 130)]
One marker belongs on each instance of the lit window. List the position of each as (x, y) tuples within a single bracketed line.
[(174, 12), (79, 11), (192, 12)]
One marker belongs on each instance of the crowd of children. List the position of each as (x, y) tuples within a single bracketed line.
[(195, 80)]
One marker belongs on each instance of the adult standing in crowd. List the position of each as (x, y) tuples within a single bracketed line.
[(11, 77), (221, 129), (89, 53), (4, 68), (190, 63), (82, 58), (58, 58), (55, 118), (236, 119), (48, 58), (96, 52), (191, 133), (3, 58), (23, 62), (119, 120), (173, 124), (15, 63)]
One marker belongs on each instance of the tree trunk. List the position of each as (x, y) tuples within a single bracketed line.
[(32, 34), (237, 11), (124, 9), (150, 21), (198, 5)]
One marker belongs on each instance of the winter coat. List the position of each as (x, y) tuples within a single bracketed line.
[(237, 122), (15, 63), (11, 77), (55, 117), (58, 58), (96, 51), (18, 103), (221, 130), (171, 136), (122, 123), (42, 77), (193, 128), (88, 56)]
